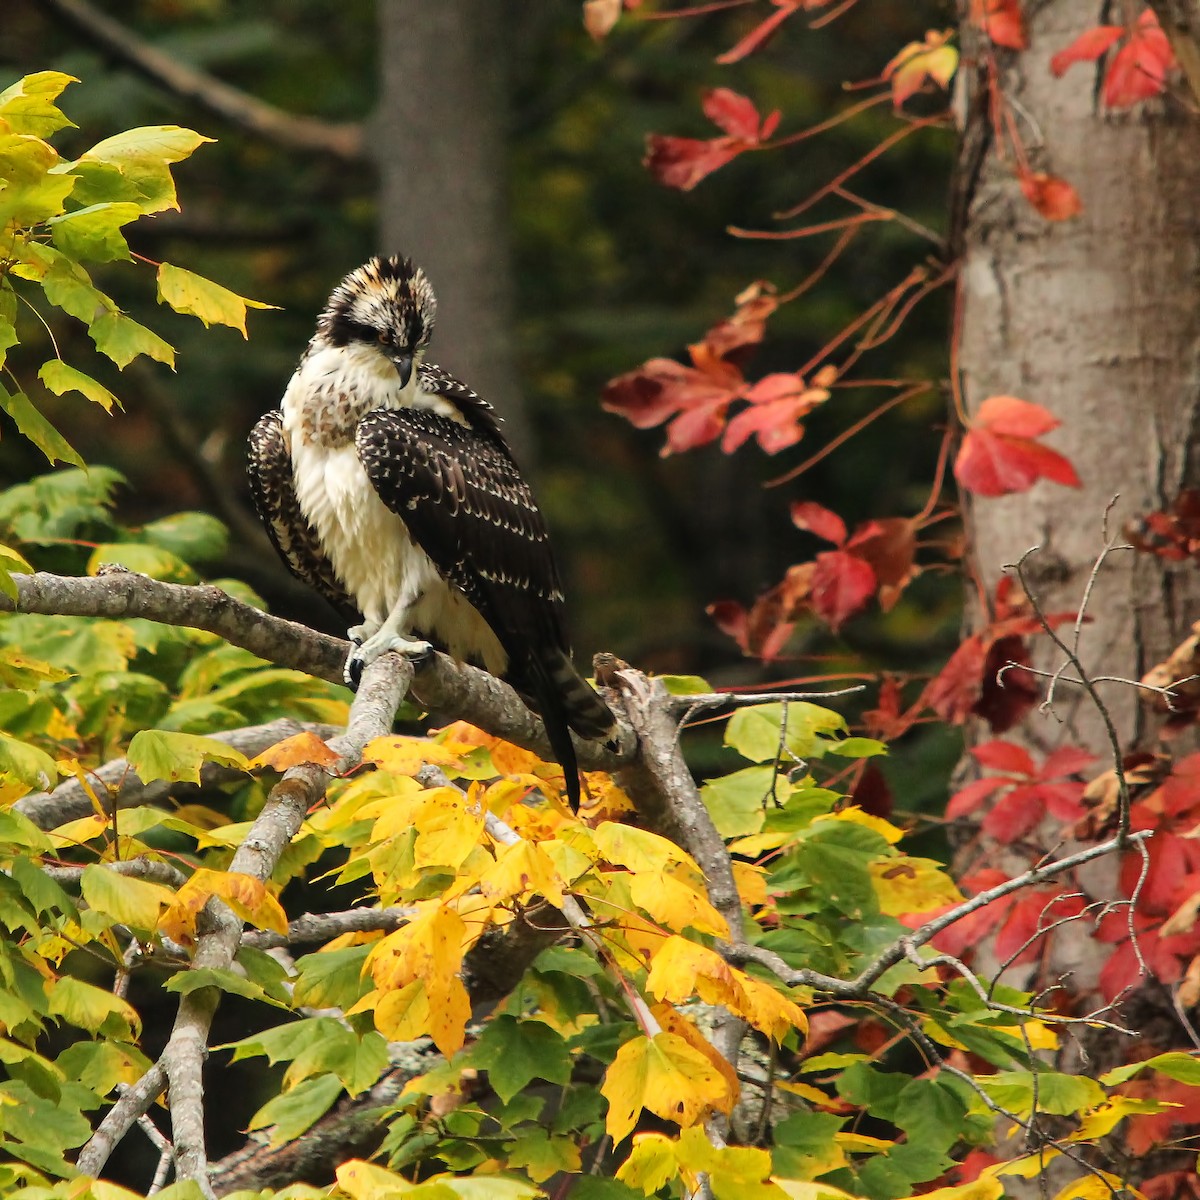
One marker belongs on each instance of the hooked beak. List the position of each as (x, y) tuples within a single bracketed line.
[(404, 365)]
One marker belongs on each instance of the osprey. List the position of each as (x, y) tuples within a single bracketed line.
[(387, 485)]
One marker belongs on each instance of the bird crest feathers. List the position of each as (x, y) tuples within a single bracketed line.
[(384, 295)]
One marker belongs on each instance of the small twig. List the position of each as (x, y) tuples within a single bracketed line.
[(323, 927), (1088, 685)]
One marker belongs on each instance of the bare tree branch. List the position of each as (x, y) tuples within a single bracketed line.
[(441, 685), (247, 112)]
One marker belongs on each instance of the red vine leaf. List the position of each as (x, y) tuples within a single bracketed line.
[(682, 163), (1002, 21), (816, 518), (999, 456), (1087, 47), (842, 583)]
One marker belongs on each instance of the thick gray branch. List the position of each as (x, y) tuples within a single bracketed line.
[(441, 685), (235, 106)]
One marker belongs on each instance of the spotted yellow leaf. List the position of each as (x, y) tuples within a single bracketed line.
[(663, 1075)]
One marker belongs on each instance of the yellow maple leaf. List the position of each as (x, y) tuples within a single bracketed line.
[(522, 869), (407, 755), (664, 1075), (1103, 1119), (673, 1021), (448, 829), (767, 1010), (912, 885), (855, 815), (674, 904), (603, 800), (751, 884), (639, 849), (651, 1163), (401, 1015), (429, 947), (449, 1012), (681, 969)]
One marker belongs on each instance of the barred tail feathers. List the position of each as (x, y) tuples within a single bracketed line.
[(567, 702)]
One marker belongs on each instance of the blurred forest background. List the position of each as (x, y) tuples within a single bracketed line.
[(501, 148)]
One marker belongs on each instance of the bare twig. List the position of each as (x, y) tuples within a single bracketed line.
[(235, 106), (323, 927), (1072, 657)]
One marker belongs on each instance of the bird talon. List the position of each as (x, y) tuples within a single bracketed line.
[(352, 672)]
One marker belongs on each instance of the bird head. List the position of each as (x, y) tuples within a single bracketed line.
[(387, 304)]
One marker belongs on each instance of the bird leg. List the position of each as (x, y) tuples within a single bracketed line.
[(372, 639)]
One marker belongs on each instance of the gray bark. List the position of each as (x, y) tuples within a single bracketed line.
[(439, 138), (1097, 319)]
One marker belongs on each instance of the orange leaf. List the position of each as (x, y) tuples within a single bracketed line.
[(300, 748), (1139, 69), (1054, 198)]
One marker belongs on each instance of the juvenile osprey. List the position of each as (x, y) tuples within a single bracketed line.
[(386, 484)]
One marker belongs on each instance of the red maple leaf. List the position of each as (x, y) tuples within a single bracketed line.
[(816, 518), (682, 163), (765, 28), (999, 456), (1138, 70)]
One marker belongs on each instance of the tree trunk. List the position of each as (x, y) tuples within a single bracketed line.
[(439, 138), (1096, 318)]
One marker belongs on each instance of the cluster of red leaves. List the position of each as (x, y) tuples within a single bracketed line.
[(1168, 897), (1000, 455), (681, 162), (1138, 70), (1021, 922), (970, 683), (1025, 793), (695, 400), (877, 559)]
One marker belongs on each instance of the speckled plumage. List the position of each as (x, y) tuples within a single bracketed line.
[(386, 484)]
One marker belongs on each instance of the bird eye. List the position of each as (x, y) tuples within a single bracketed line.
[(385, 337)]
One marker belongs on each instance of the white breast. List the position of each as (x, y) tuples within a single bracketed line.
[(368, 545)]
